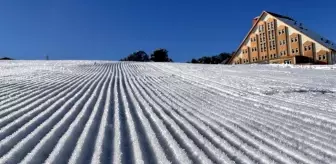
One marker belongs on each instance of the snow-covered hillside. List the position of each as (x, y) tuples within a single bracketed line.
[(108, 112)]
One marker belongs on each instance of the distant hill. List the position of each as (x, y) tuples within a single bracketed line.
[(6, 58)]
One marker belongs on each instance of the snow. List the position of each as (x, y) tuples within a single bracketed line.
[(110, 112)]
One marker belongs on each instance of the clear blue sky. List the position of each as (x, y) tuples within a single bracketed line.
[(112, 29)]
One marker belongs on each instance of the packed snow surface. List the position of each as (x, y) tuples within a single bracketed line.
[(109, 112)]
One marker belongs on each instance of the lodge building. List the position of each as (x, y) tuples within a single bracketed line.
[(279, 39)]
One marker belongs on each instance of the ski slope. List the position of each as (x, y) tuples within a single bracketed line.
[(109, 112)]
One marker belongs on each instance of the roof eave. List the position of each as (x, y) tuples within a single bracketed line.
[(233, 56)]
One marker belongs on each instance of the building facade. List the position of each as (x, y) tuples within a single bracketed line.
[(279, 39)]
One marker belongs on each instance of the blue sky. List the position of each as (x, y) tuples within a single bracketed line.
[(112, 29)]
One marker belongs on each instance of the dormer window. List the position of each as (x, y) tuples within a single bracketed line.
[(261, 28)]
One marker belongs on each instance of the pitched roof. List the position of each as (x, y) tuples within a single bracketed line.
[(292, 23), (258, 19), (279, 16), (304, 30)]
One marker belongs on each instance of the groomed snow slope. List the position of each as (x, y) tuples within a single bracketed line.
[(107, 112)]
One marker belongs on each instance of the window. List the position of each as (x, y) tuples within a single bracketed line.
[(297, 50), (287, 62), (284, 52), (292, 39), (296, 39), (281, 53), (271, 56), (262, 57), (284, 42), (279, 32), (262, 49), (280, 42), (320, 57), (305, 48), (293, 51), (261, 27), (309, 48), (324, 57), (283, 31)]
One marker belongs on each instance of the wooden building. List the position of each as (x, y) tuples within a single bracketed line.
[(275, 38)]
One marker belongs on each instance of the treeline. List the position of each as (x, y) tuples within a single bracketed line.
[(216, 59), (159, 55)]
